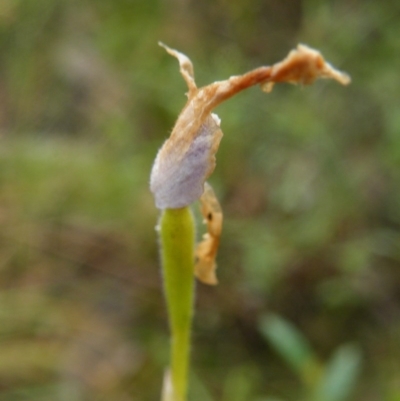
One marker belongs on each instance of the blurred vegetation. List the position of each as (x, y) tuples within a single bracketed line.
[(309, 180)]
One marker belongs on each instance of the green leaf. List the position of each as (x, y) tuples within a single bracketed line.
[(292, 346), (340, 375)]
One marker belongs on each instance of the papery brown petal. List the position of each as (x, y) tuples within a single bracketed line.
[(186, 67), (206, 250), (303, 66)]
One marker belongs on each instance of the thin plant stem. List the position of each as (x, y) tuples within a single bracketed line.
[(177, 234)]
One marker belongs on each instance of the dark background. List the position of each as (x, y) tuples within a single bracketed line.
[(308, 178)]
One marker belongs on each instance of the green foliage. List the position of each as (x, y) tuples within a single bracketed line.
[(340, 375), (333, 381), (293, 347)]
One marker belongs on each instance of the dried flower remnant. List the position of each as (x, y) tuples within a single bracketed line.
[(206, 250), (303, 66), (187, 158)]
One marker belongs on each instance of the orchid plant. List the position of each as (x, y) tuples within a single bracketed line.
[(178, 178)]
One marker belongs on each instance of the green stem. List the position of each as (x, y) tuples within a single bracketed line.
[(177, 233)]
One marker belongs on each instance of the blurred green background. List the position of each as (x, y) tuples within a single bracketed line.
[(309, 179)]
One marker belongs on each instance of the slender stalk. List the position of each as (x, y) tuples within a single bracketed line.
[(177, 234)]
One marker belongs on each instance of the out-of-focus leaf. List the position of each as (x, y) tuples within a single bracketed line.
[(340, 375), (293, 347)]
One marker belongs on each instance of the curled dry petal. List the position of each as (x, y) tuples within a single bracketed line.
[(187, 158), (185, 65), (206, 250), (303, 66)]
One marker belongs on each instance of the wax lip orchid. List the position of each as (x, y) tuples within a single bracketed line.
[(187, 158)]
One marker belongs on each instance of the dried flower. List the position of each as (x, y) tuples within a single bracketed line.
[(187, 158)]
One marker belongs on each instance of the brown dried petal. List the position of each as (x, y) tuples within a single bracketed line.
[(303, 66), (206, 250), (186, 67)]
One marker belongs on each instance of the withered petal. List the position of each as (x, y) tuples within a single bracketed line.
[(206, 250)]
